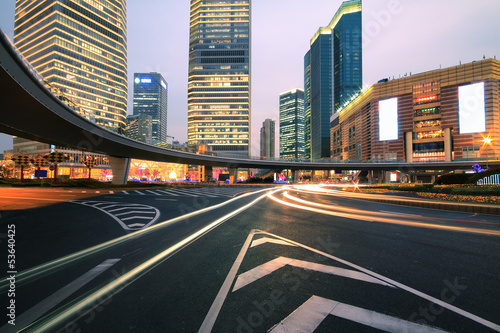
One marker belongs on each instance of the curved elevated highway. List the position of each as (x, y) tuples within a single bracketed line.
[(30, 110)]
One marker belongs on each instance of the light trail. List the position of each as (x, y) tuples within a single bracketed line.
[(46, 268), (101, 295), (371, 218)]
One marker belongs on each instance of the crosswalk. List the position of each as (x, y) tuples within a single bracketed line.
[(208, 192)]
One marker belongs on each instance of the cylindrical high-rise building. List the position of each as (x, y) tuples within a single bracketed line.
[(219, 76)]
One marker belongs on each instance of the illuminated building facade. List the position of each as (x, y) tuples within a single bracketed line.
[(441, 115), (139, 127), (219, 76), (151, 98), (267, 141), (292, 124), (333, 72), (80, 47)]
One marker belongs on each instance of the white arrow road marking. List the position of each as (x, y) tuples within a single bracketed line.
[(264, 240), (47, 304), (212, 314), (273, 265), (140, 211), (309, 316)]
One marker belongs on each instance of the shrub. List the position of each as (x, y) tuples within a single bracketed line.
[(477, 176), (452, 178)]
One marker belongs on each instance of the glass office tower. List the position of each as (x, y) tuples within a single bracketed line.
[(335, 72), (347, 55), (219, 76), (307, 105), (321, 93), (292, 124), (80, 47), (151, 98)]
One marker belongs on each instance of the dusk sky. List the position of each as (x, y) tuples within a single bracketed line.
[(399, 37)]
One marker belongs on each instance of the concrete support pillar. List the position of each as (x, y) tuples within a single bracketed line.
[(120, 167), (295, 177), (447, 144), (207, 173), (409, 147), (233, 175)]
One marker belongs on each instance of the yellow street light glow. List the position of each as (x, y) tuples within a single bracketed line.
[(487, 140)]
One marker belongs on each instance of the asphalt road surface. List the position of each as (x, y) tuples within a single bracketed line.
[(282, 259)]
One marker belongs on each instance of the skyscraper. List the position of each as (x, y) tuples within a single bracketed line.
[(335, 74), (307, 105), (80, 47), (219, 76), (151, 98), (292, 124), (267, 135)]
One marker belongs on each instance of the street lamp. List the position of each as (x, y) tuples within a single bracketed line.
[(487, 142)]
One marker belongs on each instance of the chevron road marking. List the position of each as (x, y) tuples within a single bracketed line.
[(361, 272), (273, 265), (309, 316), (264, 240), (123, 212)]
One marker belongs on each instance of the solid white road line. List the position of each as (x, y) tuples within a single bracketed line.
[(212, 314), (126, 279), (50, 302), (310, 315)]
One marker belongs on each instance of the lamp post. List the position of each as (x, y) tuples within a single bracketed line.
[(487, 142)]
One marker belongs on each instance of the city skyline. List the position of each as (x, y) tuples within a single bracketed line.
[(395, 32)]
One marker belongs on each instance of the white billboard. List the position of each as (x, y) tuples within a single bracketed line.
[(471, 112), (388, 119)]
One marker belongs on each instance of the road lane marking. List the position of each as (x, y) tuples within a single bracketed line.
[(169, 192), (209, 321), (309, 316), (140, 225), (109, 290), (259, 272), (264, 240), (44, 269), (127, 208), (399, 285), (139, 192), (152, 192), (160, 199), (50, 302)]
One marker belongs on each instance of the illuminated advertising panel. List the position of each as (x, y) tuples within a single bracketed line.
[(388, 119), (146, 80), (472, 112)]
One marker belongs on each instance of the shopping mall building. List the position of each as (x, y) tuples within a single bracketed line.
[(441, 115)]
